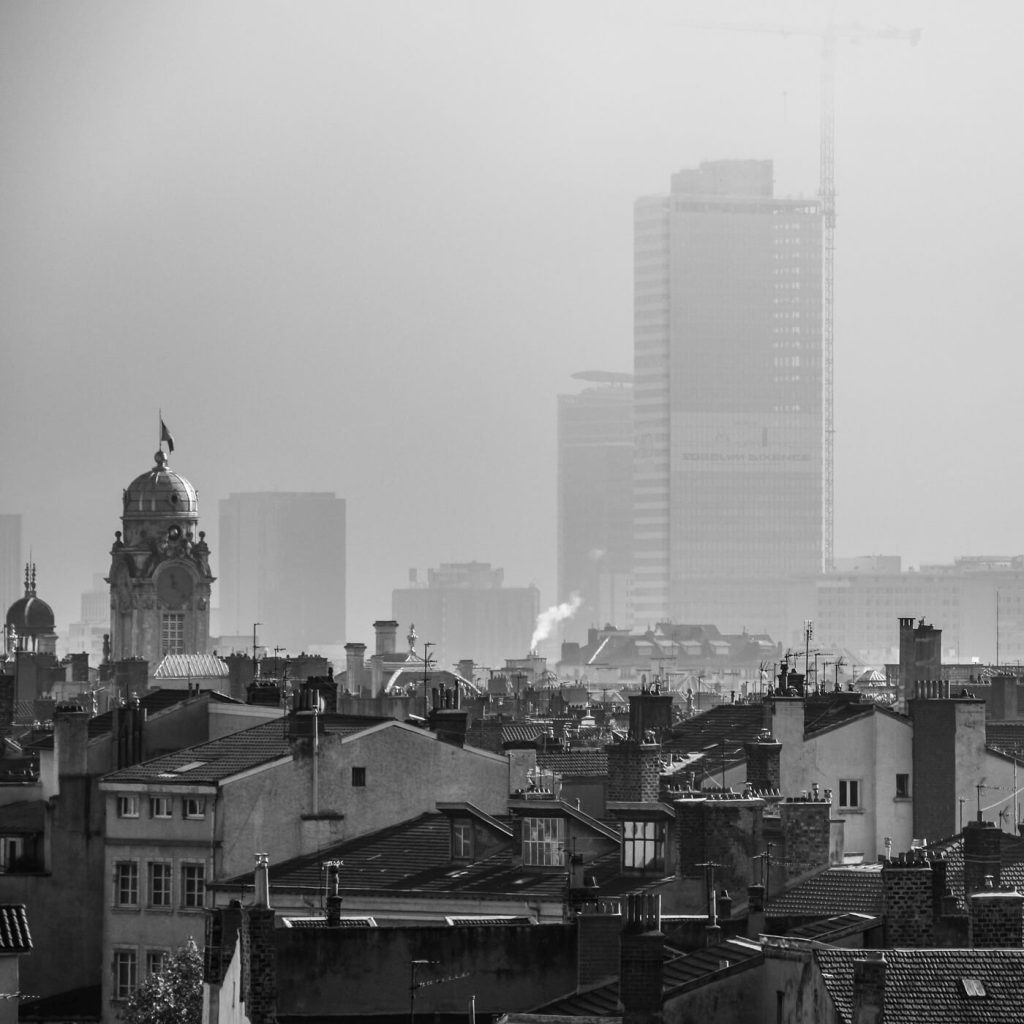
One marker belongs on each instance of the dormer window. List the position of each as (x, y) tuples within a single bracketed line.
[(643, 845), (462, 840), (543, 842)]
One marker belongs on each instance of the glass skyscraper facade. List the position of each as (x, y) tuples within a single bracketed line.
[(728, 399)]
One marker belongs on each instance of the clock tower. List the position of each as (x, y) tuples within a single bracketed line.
[(159, 570)]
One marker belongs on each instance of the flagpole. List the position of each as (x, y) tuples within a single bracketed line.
[(160, 427)]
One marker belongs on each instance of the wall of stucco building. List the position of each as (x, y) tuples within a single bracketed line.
[(871, 749), (792, 989), (408, 771), (144, 840)]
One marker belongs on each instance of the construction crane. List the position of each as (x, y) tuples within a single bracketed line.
[(829, 36)]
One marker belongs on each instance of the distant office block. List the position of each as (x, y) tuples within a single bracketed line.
[(727, 397), (282, 564), (466, 612), (978, 601), (595, 501), (10, 559), (87, 634)]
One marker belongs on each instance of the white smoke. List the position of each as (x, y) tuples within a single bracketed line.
[(547, 620)]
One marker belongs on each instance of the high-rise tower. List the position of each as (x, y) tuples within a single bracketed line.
[(727, 398)]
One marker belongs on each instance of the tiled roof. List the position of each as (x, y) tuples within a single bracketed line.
[(14, 934), (25, 817), (853, 889), (522, 732), (923, 986), (831, 929), (679, 974), (736, 723), (415, 855), (221, 758), (581, 761), (189, 666), (1011, 858)]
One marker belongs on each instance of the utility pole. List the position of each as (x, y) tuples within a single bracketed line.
[(426, 665)]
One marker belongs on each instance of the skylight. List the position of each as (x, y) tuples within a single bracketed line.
[(188, 767), (973, 988)]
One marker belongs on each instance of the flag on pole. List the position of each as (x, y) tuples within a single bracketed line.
[(165, 435)]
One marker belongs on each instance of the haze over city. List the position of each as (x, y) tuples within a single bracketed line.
[(361, 248)]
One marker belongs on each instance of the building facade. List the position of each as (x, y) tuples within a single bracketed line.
[(728, 412), (464, 611), (282, 564), (595, 496)]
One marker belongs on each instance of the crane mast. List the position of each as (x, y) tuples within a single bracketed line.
[(827, 188), (827, 196)]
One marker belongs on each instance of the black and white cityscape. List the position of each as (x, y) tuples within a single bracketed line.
[(508, 513)]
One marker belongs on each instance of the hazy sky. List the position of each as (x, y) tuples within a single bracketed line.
[(360, 247)]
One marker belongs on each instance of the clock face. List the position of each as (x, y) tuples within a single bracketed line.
[(174, 586)]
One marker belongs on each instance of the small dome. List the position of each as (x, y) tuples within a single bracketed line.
[(160, 492), (30, 615)]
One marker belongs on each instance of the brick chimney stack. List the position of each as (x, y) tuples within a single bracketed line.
[(642, 954), (982, 841), (764, 762), (997, 919), (869, 988)]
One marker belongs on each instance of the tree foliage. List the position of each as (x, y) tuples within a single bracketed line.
[(174, 996)]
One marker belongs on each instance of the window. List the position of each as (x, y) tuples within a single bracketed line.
[(156, 960), (543, 841), (159, 884), (643, 845), (195, 807), (902, 786), (12, 849), (128, 805), (849, 793), (159, 806), (193, 885), (462, 840), (172, 633), (126, 883), (125, 970), (358, 776)]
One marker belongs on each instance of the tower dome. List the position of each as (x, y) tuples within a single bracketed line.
[(30, 617), (160, 493)]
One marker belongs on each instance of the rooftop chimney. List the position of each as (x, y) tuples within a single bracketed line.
[(869, 988), (262, 881), (387, 634)]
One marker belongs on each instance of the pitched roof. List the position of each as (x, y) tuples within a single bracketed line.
[(415, 856), (679, 974), (14, 934), (189, 666), (851, 889), (580, 761), (924, 985), (237, 752)]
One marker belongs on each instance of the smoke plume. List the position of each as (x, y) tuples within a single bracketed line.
[(556, 613)]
